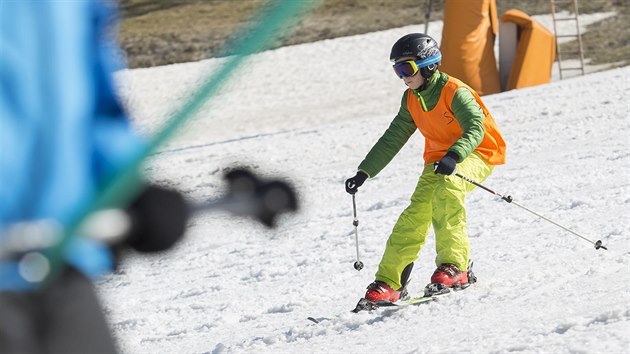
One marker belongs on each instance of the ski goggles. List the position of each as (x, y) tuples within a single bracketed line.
[(411, 67)]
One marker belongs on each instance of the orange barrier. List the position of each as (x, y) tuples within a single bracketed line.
[(470, 28), (535, 53)]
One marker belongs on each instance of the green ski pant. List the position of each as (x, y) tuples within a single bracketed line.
[(439, 201)]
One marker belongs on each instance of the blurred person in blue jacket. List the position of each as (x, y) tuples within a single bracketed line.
[(62, 134)]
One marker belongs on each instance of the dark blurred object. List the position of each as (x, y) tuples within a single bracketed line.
[(159, 217), (153, 222), (251, 196), (64, 317)]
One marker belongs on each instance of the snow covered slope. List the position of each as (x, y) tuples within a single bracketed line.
[(311, 113)]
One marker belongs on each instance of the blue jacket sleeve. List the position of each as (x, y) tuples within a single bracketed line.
[(62, 129)]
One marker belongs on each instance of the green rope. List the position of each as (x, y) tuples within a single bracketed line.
[(125, 186)]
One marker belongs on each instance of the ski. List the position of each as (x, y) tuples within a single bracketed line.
[(366, 305), (432, 292)]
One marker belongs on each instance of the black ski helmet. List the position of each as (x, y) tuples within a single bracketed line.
[(417, 45)]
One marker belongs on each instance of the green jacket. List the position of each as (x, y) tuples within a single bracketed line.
[(467, 111)]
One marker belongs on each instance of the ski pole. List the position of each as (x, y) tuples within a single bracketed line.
[(597, 244), (358, 265)]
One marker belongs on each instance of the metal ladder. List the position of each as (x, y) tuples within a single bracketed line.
[(577, 35)]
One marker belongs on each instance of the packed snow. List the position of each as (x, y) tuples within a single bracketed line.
[(309, 114)]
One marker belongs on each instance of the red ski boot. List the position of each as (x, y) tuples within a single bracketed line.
[(450, 276), (379, 291)]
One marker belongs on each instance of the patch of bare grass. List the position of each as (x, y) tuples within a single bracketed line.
[(172, 31)]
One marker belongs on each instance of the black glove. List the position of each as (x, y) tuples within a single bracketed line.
[(158, 220), (353, 183), (446, 165), (159, 217)]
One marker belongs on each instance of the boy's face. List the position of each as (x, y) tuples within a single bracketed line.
[(415, 81)]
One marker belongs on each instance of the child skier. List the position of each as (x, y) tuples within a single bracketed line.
[(459, 132)]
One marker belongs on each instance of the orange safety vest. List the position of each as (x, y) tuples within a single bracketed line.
[(441, 130)]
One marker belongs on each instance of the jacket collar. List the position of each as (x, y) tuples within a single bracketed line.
[(430, 87)]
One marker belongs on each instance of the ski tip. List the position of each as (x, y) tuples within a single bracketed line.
[(363, 305), (312, 319), (433, 289)]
